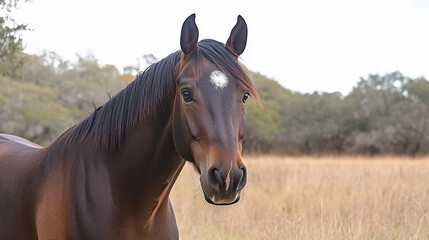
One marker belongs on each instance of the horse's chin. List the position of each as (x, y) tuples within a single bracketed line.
[(222, 202)]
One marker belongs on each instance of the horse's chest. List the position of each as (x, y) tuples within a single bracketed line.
[(160, 226)]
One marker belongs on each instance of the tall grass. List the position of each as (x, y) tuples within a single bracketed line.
[(313, 198)]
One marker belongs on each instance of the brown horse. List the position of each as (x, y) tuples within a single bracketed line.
[(110, 176)]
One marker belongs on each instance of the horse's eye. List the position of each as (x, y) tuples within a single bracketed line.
[(245, 97), (187, 95)]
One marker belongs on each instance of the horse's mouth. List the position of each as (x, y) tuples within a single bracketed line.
[(222, 203)]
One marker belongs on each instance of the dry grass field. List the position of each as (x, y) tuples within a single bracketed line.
[(313, 198)]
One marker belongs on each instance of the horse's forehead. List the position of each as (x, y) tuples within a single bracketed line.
[(219, 79), (209, 77), (214, 77), (217, 82)]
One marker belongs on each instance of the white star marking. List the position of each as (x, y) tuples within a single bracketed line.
[(219, 79)]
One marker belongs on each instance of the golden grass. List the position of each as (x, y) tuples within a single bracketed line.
[(313, 198)]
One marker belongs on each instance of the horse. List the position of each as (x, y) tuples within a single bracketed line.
[(110, 176)]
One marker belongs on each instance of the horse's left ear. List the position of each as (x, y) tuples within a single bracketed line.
[(238, 38), (189, 35)]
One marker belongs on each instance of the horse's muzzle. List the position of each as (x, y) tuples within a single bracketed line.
[(225, 186)]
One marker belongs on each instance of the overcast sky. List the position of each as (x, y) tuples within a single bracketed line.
[(306, 45)]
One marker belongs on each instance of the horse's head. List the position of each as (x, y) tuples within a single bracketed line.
[(209, 110)]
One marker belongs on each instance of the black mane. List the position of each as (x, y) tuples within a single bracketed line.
[(152, 91)]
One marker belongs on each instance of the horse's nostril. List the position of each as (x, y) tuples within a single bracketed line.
[(219, 181), (241, 178), (214, 178)]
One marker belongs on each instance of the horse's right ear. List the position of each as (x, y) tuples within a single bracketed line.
[(189, 35)]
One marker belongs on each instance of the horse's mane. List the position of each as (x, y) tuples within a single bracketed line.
[(152, 92)]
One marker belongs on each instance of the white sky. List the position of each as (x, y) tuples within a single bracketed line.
[(306, 45)]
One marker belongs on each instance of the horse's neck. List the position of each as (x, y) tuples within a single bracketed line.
[(145, 169), (128, 189)]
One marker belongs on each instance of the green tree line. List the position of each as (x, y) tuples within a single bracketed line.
[(51, 95), (11, 46), (382, 114)]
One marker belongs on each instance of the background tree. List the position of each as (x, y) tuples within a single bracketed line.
[(52, 95), (11, 47), (386, 114)]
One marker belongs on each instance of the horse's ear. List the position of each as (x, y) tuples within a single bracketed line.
[(189, 35), (238, 38)]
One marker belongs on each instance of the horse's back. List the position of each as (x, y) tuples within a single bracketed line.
[(16, 154), (12, 139), (15, 150), (18, 186)]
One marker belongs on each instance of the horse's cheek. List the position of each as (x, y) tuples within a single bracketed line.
[(181, 137)]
